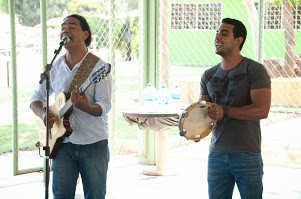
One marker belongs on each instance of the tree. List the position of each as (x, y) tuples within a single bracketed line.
[(29, 11), (3, 6), (290, 52), (253, 14)]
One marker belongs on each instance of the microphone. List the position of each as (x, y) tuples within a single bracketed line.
[(64, 40)]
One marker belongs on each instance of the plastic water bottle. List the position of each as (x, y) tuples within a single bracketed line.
[(164, 97), (176, 98), (176, 94), (150, 94)]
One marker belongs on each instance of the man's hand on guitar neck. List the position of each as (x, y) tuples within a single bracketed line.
[(81, 102)]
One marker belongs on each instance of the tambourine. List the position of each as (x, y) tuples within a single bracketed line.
[(195, 123)]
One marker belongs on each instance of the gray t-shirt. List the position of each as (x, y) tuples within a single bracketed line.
[(232, 88)]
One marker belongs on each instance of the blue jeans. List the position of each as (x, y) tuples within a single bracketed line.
[(91, 161), (226, 169)]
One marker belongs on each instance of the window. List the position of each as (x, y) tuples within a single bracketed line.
[(273, 16), (195, 16), (297, 16), (177, 18), (209, 16)]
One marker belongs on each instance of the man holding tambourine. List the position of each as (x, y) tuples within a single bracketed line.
[(239, 92)]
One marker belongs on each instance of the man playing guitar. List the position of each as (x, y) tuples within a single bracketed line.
[(84, 150)]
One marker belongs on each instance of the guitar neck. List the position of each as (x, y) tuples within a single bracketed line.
[(68, 103)]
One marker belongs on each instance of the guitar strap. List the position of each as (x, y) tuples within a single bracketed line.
[(83, 71)]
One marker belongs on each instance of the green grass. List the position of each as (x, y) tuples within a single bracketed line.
[(27, 137), (123, 130), (28, 134)]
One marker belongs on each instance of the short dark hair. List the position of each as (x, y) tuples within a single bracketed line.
[(239, 29), (84, 25)]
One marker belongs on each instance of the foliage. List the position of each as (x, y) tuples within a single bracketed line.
[(134, 30), (86, 7), (95, 12), (99, 28), (29, 11), (3, 6), (135, 36)]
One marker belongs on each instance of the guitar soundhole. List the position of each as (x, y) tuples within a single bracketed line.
[(67, 95)]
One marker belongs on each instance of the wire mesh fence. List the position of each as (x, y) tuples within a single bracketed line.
[(186, 48)]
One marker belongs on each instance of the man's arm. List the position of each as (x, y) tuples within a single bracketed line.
[(204, 98), (258, 109), (38, 108)]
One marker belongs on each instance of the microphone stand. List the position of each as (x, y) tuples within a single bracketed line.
[(45, 76)]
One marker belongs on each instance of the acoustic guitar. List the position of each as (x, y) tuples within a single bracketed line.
[(62, 109)]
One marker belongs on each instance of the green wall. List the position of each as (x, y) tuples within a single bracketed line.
[(190, 46), (196, 47)]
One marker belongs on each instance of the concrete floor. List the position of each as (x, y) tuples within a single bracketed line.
[(125, 180)]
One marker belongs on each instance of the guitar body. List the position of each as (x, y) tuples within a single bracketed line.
[(61, 127)]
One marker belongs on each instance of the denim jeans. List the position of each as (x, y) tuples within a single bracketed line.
[(226, 169), (91, 161)]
